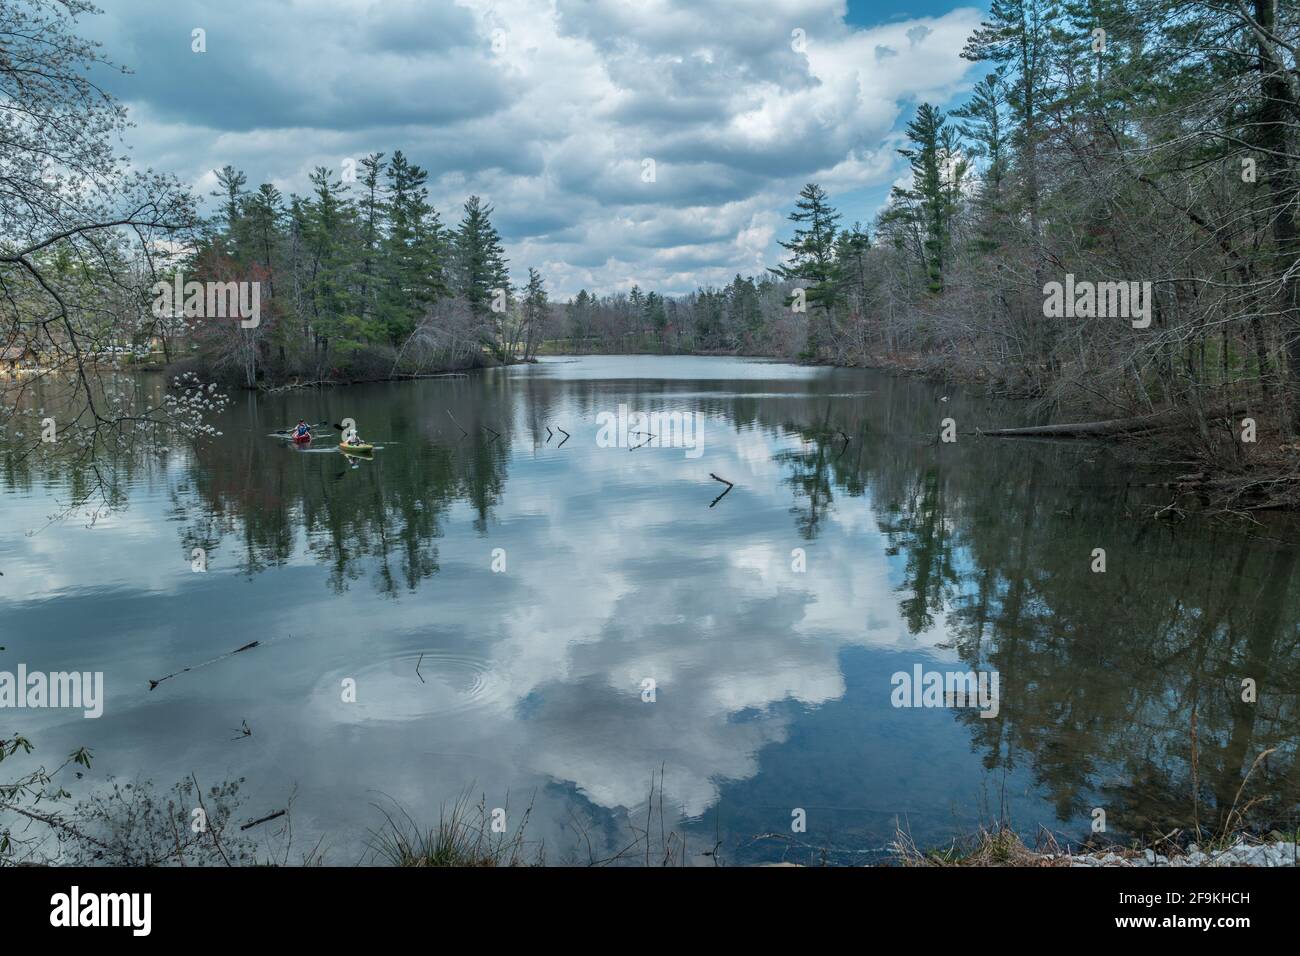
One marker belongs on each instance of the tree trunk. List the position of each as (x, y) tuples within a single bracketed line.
[(1156, 421), (1277, 100)]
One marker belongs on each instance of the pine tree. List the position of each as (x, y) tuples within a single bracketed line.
[(984, 130), (812, 260), (414, 250), (536, 311), (231, 182), (930, 204), (578, 313), (652, 312), (481, 268), (372, 224), (744, 319), (1017, 35), (264, 212), (851, 248), (329, 237)]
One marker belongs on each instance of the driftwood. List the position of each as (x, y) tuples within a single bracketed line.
[(458, 424), (269, 816), (1105, 429), (729, 485), (186, 670), (1243, 483)]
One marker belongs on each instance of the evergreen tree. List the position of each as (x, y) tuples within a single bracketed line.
[(372, 225), (578, 314), (414, 250), (932, 200), (231, 191), (744, 318), (1017, 36), (851, 248), (652, 313), (812, 260), (536, 311), (329, 237), (264, 212), (983, 127), (480, 259)]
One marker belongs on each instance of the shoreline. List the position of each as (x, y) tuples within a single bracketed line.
[(1003, 846), (1204, 468), (1223, 480)]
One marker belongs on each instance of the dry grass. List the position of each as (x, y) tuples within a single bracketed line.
[(463, 837), (989, 846)]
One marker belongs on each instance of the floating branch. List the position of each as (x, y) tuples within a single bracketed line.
[(725, 493), (564, 433), (495, 434), (269, 816), (549, 433), (644, 443), (458, 425), (417, 668), (246, 647)]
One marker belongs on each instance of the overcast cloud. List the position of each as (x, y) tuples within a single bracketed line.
[(549, 111)]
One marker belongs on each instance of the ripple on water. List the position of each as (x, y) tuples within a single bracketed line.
[(389, 689)]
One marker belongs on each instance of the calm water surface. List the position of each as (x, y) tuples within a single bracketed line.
[(772, 685)]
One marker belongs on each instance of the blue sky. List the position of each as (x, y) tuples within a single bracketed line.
[(552, 110)]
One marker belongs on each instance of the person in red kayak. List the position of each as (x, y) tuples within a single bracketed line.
[(302, 431)]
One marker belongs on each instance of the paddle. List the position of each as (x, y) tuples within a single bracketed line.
[(285, 431), (344, 432)]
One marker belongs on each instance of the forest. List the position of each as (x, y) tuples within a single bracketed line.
[(363, 278), (1109, 140), (1108, 143), (1097, 236)]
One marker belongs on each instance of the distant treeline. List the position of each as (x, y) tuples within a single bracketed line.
[(1112, 144), (1115, 141), (1112, 141)]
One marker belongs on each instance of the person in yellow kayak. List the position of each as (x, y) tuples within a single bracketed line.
[(354, 449), (352, 440)]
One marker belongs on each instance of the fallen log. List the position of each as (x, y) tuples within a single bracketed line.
[(1156, 421)]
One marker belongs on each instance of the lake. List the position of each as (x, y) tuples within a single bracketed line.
[(553, 622)]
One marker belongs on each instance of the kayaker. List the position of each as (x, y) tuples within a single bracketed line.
[(301, 430)]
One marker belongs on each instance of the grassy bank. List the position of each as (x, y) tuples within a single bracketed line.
[(1002, 846)]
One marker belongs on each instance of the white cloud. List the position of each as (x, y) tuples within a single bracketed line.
[(548, 111)]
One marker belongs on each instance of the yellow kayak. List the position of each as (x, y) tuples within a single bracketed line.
[(355, 449)]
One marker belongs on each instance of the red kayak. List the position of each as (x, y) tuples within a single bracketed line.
[(302, 439)]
